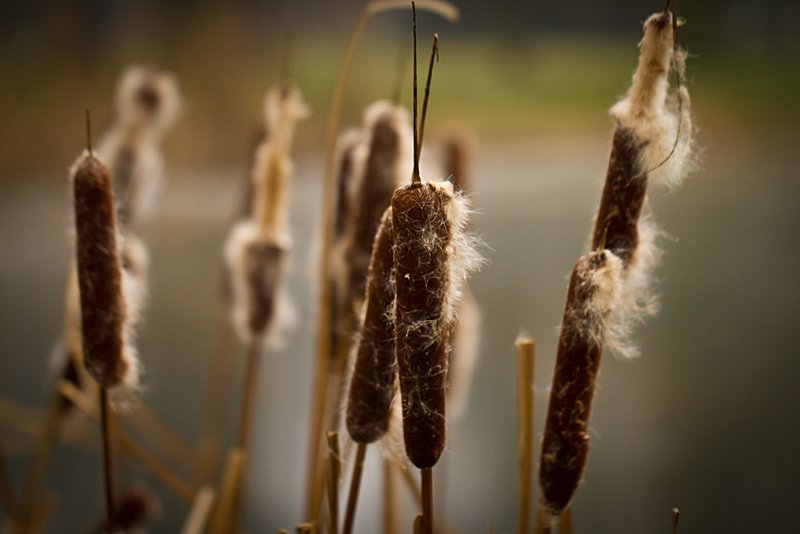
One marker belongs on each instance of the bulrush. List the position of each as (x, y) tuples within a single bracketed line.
[(372, 382), (108, 354), (652, 140), (146, 105), (593, 289), (257, 249)]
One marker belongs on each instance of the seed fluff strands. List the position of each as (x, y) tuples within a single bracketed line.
[(592, 292), (652, 140)]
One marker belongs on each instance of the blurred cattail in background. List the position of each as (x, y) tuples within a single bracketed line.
[(146, 105)]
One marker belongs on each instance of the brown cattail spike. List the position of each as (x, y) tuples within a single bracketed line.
[(422, 238), (373, 379), (617, 223), (565, 446), (103, 310)]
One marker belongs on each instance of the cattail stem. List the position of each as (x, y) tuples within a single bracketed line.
[(355, 484), (108, 464), (418, 528), (525, 366), (427, 500), (389, 516), (334, 471), (676, 514), (153, 464), (249, 391), (565, 521), (223, 519)]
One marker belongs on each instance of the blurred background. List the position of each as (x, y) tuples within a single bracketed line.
[(705, 420)]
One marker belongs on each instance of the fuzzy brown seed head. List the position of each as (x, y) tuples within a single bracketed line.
[(265, 262), (345, 174), (103, 310), (373, 379), (565, 445), (422, 236), (623, 197)]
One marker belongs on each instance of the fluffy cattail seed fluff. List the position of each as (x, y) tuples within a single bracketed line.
[(107, 354), (593, 288), (373, 379), (431, 260)]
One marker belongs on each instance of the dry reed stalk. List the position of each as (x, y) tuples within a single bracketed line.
[(199, 513), (592, 292), (305, 528), (162, 438), (324, 308), (676, 514), (334, 474), (223, 519), (525, 382), (389, 489), (418, 527), (355, 482)]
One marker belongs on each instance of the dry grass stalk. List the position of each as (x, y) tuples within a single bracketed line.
[(418, 528), (352, 497), (200, 511), (676, 514), (592, 291), (334, 474), (223, 519), (525, 382), (324, 308)]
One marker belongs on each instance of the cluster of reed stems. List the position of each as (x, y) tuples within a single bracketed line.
[(396, 323)]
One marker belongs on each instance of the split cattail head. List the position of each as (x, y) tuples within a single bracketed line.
[(372, 382), (594, 286), (283, 107), (108, 355), (658, 119), (147, 100), (432, 256)]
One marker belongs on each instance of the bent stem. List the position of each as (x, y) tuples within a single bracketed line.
[(355, 483)]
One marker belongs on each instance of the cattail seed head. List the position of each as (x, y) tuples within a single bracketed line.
[(107, 353), (593, 289), (147, 100), (257, 266), (431, 259), (372, 383), (345, 175)]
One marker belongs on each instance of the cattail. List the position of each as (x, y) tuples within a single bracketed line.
[(146, 105), (432, 256), (346, 147), (385, 156), (257, 249), (652, 140), (108, 354), (593, 289), (373, 379)]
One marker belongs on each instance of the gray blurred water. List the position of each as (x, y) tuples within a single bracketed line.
[(705, 420)]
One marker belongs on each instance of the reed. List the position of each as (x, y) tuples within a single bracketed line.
[(525, 383)]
